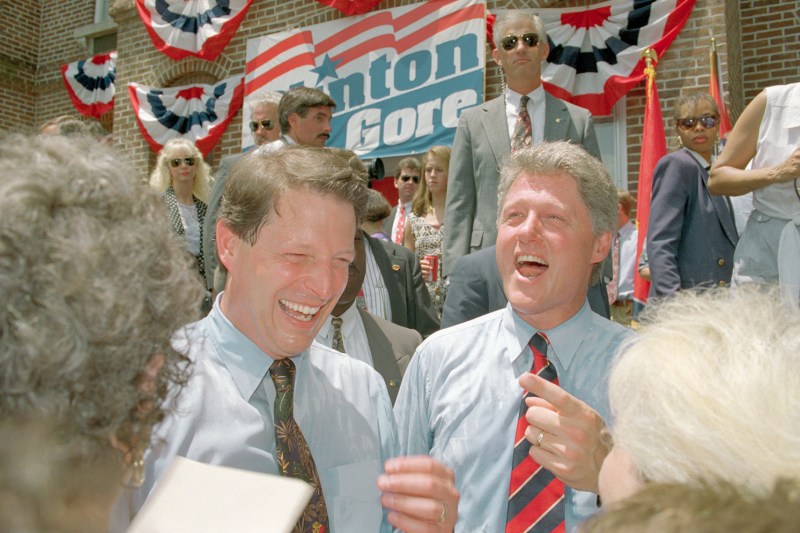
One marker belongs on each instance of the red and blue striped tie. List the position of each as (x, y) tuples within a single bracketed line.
[(536, 497)]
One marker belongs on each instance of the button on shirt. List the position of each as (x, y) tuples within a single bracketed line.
[(460, 398), (224, 417), (535, 110)]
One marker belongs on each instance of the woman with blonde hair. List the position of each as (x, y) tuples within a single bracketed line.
[(424, 232), (184, 179)]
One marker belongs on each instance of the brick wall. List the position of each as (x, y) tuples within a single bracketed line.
[(18, 59), (770, 44), (58, 47)]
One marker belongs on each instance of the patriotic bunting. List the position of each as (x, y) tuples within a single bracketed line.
[(594, 57), (90, 84), (199, 28), (200, 112), (351, 7)]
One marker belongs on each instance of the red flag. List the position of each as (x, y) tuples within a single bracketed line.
[(715, 90), (654, 147)]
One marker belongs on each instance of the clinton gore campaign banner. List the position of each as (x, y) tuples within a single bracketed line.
[(400, 77)]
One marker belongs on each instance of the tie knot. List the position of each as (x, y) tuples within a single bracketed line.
[(336, 321), (523, 102), (282, 373)]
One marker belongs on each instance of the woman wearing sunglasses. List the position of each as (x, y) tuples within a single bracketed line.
[(763, 156), (183, 177), (424, 233), (691, 234)]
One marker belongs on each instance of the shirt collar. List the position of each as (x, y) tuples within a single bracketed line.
[(700, 159), (513, 98), (348, 322), (245, 361), (563, 339)]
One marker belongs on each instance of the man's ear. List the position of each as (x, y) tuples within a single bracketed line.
[(602, 244), (496, 57), (227, 245)]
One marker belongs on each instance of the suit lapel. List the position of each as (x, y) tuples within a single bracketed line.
[(722, 208), (556, 118), (384, 358), (385, 263), (494, 124)]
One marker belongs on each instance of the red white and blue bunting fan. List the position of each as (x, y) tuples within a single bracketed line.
[(202, 28), (90, 84), (595, 54), (200, 113)]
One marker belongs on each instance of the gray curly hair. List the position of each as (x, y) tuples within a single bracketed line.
[(94, 283)]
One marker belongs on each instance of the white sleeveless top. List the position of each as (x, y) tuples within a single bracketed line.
[(778, 137)]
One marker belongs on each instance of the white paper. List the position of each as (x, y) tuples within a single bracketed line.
[(200, 498)]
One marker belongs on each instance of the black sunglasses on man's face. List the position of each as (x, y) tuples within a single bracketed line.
[(510, 42)]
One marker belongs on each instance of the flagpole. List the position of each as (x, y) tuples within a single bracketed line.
[(654, 147), (715, 90)]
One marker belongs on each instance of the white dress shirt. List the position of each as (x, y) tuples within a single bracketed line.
[(535, 111), (355, 337), (628, 237), (376, 295)]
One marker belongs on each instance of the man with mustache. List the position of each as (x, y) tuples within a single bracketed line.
[(305, 116)]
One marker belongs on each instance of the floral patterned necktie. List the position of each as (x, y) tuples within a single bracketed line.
[(522, 128), (338, 338), (292, 451)]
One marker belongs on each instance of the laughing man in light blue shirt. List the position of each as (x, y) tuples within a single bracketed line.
[(460, 397)]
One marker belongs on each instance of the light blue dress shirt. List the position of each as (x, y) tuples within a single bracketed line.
[(460, 399), (224, 417)]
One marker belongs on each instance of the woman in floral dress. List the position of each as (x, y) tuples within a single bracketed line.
[(424, 234)]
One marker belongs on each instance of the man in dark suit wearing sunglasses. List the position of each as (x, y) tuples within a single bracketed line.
[(487, 133)]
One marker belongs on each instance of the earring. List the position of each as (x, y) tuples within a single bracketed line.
[(133, 476), (680, 141)]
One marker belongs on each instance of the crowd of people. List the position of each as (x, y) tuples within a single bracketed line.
[(459, 361)]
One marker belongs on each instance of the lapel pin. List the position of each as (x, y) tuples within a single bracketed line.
[(395, 267)]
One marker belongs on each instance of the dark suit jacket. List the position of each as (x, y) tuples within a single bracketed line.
[(408, 295), (691, 235), (480, 145), (476, 289), (387, 224), (392, 347), (210, 224)]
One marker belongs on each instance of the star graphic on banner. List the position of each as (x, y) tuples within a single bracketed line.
[(327, 69)]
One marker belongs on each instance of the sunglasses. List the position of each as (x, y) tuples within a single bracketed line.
[(510, 42), (175, 163), (689, 123), (405, 178), (266, 124)]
